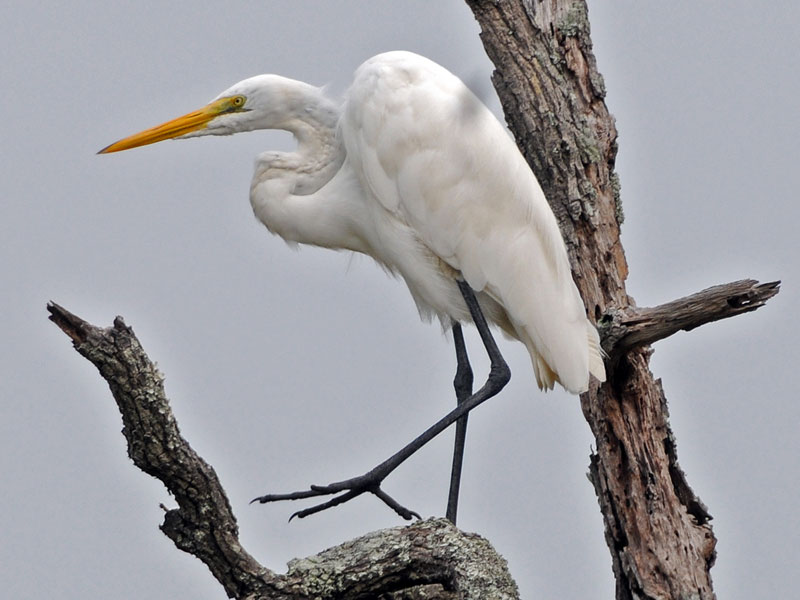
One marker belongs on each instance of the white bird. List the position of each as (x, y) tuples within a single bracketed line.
[(413, 170)]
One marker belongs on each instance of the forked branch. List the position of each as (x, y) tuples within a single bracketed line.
[(430, 559)]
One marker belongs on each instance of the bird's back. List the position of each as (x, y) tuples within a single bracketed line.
[(436, 159)]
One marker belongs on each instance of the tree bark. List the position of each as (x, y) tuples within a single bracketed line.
[(656, 528)]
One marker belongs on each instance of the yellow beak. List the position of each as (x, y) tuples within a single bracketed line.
[(193, 121)]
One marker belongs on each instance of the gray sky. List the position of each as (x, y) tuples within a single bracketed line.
[(289, 368)]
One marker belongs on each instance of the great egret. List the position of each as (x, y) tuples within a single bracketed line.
[(414, 171)]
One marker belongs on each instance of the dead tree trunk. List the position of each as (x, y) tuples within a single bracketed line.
[(657, 529)]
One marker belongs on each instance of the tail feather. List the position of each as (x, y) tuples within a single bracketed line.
[(596, 354), (546, 377)]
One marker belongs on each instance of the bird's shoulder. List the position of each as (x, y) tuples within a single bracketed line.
[(402, 88), (407, 119)]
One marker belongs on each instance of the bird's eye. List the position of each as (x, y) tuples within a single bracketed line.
[(238, 101)]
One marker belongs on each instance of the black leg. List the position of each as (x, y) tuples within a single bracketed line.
[(499, 375), (463, 385)]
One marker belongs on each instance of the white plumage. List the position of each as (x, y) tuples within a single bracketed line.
[(413, 170)]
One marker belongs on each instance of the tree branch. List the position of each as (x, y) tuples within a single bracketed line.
[(630, 327), (430, 559)]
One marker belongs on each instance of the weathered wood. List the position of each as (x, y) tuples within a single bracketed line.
[(657, 530), (430, 559), (630, 327)]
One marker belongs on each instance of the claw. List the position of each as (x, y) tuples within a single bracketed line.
[(355, 487), (302, 514), (395, 505), (278, 497)]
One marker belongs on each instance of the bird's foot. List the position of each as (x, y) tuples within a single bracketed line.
[(352, 488)]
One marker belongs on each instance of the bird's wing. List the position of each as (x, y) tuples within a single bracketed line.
[(433, 154)]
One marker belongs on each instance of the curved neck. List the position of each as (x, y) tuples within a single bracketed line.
[(312, 119), (306, 196)]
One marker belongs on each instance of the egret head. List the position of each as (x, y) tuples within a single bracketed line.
[(260, 102)]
